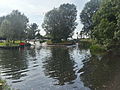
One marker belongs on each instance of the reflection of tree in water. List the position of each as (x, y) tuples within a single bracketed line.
[(60, 66), (102, 74), (31, 52), (13, 62)]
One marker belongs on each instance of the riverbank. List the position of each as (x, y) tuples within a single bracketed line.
[(97, 48), (13, 45), (6, 45), (61, 43), (93, 45)]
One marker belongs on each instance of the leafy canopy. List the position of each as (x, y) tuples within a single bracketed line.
[(60, 22), (12, 26), (86, 15), (107, 23)]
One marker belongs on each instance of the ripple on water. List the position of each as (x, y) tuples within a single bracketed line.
[(49, 68)]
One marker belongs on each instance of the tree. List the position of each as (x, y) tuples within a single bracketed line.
[(2, 19), (19, 24), (5, 30), (68, 23), (1, 30), (106, 23), (87, 13), (31, 31), (52, 24), (13, 26), (60, 23)]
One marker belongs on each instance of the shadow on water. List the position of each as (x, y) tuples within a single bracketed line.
[(101, 72), (60, 66), (14, 62)]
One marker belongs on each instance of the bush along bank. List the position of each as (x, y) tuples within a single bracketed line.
[(97, 48), (93, 45)]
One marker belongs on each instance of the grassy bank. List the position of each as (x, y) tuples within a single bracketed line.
[(10, 43), (92, 44), (61, 43), (97, 48), (85, 43)]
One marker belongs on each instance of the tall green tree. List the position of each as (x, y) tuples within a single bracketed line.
[(2, 19), (107, 23), (68, 19), (14, 25), (5, 31), (87, 13), (52, 24), (19, 23), (60, 22)]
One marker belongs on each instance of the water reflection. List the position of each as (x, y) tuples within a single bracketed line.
[(102, 72), (60, 66), (13, 63), (31, 52)]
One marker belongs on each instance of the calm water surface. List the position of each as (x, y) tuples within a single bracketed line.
[(59, 68)]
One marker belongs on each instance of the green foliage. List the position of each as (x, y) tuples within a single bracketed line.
[(59, 23), (86, 15), (97, 48), (49, 42), (106, 23), (13, 26), (11, 43), (2, 44), (88, 40), (85, 43), (5, 29)]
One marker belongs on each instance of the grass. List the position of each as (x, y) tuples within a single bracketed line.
[(49, 42), (97, 48), (18, 41), (88, 40), (10, 43), (2, 44), (94, 47)]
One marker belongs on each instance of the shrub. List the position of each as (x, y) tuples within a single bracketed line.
[(97, 48)]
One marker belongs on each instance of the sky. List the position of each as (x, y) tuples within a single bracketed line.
[(36, 9)]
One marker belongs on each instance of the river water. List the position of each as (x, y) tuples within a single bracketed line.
[(59, 68)]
